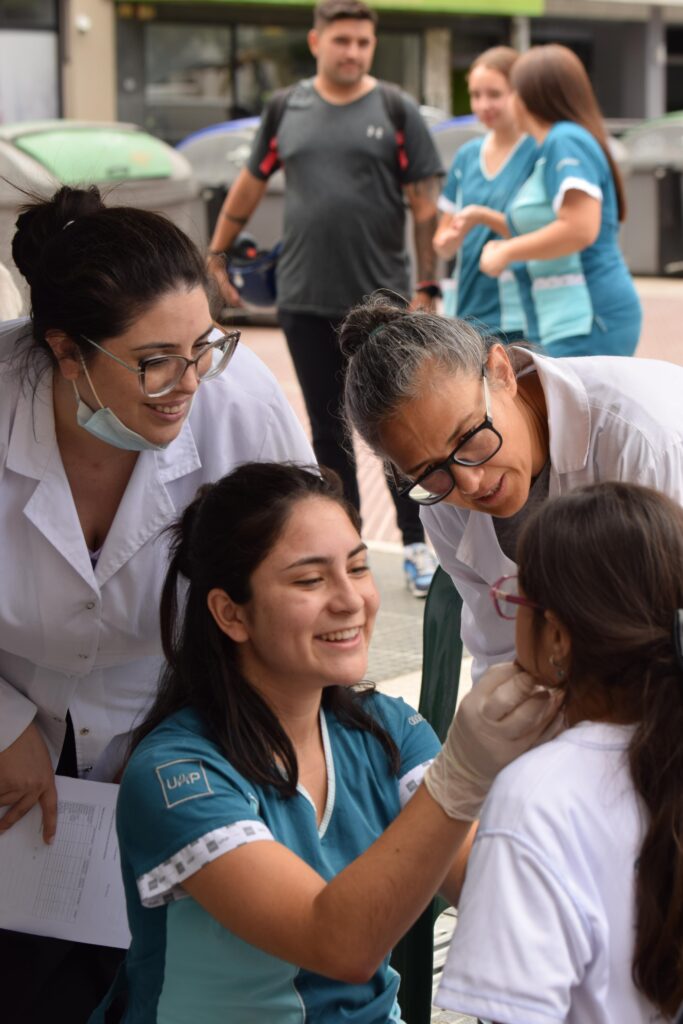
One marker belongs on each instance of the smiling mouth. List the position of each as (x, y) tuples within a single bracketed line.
[(340, 634), (170, 410), (487, 495)]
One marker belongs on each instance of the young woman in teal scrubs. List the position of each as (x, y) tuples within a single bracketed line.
[(562, 227), (486, 173), (276, 838)]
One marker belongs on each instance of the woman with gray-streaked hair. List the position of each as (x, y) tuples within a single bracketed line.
[(479, 435)]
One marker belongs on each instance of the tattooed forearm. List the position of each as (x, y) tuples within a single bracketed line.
[(425, 256)]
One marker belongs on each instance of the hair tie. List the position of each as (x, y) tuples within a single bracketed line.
[(678, 636), (375, 330)]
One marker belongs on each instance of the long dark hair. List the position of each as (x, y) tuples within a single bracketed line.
[(554, 86), (608, 561), (93, 270), (219, 541)]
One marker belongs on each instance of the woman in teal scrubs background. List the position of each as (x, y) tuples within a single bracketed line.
[(484, 176), (578, 294)]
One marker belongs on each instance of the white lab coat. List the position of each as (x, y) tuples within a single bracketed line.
[(87, 640), (610, 418), (10, 297)]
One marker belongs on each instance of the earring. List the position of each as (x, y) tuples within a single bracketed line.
[(559, 670)]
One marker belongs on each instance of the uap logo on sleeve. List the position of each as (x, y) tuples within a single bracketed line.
[(181, 780)]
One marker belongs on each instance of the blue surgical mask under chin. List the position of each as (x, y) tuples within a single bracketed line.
[(106, 426)]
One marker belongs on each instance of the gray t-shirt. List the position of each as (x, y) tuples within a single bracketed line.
[(344, 232)]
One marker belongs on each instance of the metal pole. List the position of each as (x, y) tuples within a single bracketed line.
[(520, 33), (655, 63)]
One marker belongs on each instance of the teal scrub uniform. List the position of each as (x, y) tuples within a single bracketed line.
[(494, 303), (584, 303), (182, 805)]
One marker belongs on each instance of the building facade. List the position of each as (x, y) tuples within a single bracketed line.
[(174, 67)]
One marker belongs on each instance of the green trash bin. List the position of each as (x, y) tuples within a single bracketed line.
[(131, 167)]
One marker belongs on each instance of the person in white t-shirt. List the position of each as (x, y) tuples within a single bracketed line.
[(572, 909)]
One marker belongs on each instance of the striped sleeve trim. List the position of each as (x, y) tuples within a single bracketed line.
[(163, 884), (447, 205), (409, 782), (581, 185)]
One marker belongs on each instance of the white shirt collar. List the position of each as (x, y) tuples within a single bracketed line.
[(564, 392)]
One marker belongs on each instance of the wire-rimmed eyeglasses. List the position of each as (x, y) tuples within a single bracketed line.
[(159, 375), (475, 448), (507, 598)]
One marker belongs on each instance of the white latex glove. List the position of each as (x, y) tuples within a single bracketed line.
[(503, 716)]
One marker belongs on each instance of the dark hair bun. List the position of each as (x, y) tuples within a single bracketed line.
[(42, 220), (363, 321)]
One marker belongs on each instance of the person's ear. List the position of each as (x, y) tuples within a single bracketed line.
[(66, 352), (499, 370), (312, 40), (228, 616), (559, 644)]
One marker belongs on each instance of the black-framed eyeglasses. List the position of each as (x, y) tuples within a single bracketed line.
[(474, 449), (507, 598), (159, 375)]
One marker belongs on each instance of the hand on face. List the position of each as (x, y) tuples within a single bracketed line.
[(504, 715)]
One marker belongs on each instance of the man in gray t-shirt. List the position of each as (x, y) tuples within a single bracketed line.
[(344, 225), (352, 164)]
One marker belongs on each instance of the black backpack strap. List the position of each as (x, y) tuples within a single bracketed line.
[(395, 106), (272, 118)]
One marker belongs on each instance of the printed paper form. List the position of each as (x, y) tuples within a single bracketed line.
[(73, 888)]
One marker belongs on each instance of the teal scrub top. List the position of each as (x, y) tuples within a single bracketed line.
[(495, 303), (182, 804), (566, 297)]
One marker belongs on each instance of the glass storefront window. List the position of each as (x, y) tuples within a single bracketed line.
[(28, 13), (197, 75), (28, 76), (177, 77), (267, 58), (398, 59), (188, 83)]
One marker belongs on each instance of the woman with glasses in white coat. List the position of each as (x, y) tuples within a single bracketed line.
[(114, 408), (479, 435)]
